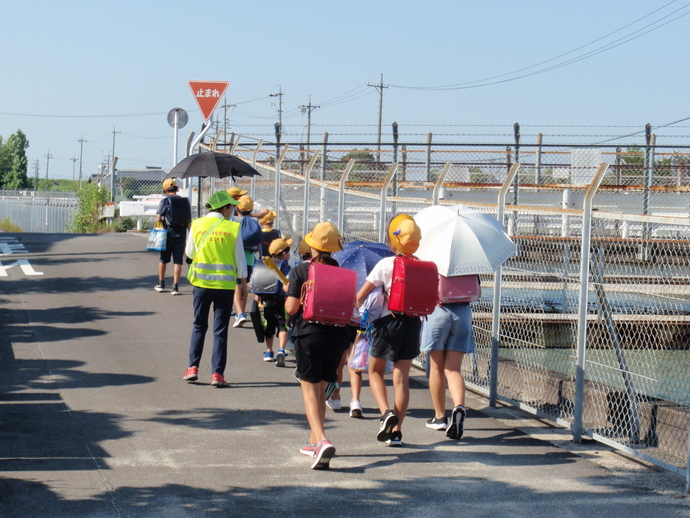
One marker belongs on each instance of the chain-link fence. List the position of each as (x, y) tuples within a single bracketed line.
[(597, 342)]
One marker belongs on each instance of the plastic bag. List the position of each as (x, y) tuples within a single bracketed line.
[(359, 358), (157, 238)]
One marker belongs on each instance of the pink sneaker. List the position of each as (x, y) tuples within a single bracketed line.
[(323, 455), (308, 449), (218, 381), (192, 374)]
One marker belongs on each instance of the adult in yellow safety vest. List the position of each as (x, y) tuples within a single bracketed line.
[(217, 266)]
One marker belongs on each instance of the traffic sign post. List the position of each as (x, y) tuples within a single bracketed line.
[(207, 95), (177, 118)]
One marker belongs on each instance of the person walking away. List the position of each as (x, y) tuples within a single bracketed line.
[(394, 337), (257, 211), (334, 402), (304, 251), (268, 233), (216, 255), (318, 347), (274, 305), (447, 337), (250, 230), (175, 212)]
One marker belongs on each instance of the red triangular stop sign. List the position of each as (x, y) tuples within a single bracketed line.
[(207, 95)]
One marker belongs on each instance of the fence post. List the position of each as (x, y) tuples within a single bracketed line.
[(254, 155), (341, 196), (496, 310), (439, 182), (307, 178), (687, 467), (276, 200), (537, 165), (384, 193), (324, 157), (582, 309), (427, 164), (648, 176)]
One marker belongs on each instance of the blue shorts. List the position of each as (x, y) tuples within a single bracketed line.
[(449, 328), (174, 248)]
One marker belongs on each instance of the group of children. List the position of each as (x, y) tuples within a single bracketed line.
[(321, 350)]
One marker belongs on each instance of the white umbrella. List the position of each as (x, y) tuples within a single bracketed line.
[(462, 241)]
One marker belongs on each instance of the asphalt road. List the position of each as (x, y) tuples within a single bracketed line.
[(95, 420)]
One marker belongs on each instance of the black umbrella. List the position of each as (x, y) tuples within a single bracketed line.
[(213, 164)]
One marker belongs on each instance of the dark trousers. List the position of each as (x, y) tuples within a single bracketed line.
[(222, 308)]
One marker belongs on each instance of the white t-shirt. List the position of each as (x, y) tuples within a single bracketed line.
[(382, 275)]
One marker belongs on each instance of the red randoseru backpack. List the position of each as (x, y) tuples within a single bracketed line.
[(414, 287)]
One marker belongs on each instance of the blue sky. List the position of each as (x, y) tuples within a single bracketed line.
[(74, 68)]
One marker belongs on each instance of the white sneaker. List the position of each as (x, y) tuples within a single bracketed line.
[(355, 409), (334, 404)]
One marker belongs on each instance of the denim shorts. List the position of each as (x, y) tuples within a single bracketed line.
[(449, 328)]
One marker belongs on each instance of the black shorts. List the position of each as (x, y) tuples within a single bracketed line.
[(396, 337), (318, 353), (275, 319)]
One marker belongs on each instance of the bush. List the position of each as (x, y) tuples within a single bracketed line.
[(90, 202)]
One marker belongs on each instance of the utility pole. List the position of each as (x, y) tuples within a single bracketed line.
[(112, 169), (48, 157), (74, 160), (279, 95), (308, 109), (225, 107), (380, 86), (36, 174), (81, 153)]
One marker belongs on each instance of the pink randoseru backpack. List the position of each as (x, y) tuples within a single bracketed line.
[(328, 296), (460, 288)]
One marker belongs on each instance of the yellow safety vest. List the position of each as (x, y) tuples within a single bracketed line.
[(214, 262)]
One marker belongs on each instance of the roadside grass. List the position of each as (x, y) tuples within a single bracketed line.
[(6, 224)]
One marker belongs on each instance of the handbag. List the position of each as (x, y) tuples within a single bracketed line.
[(157, 238)]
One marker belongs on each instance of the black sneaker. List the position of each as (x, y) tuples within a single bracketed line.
[(160, 287), (457, 423), (388, 421), (395, 440), (437, 424), (175, 290)]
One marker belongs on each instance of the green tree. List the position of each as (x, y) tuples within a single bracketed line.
[(365, 162), (13, 162), (90, 202)]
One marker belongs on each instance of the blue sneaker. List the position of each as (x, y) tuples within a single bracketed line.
[(268, 356), (240, 319), (280, 358)]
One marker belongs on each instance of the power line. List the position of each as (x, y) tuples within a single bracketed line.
[(616, 43)]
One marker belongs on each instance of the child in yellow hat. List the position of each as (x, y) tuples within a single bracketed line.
[(394, 337)]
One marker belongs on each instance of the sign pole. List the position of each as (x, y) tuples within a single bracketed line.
[(175, 122)]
